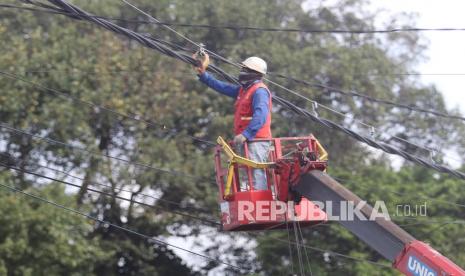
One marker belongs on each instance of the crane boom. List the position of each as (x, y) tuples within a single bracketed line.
[(408, 255)]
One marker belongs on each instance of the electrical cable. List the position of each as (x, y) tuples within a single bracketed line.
[(134, 117), (366, 187), (289, 245), (152, 239), (270, 81), (211, 222), (216, 223), (95, 153), (79, 70), (191, 216), (305, 249), (461, 205), (370, 141), (170, 202), (410, 107), (336, 254), (80, 14), (298, 247), (331, 89), (83, 15), (249, 28)]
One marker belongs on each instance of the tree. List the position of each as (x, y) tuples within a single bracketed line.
[(97, 66), (38, 239)]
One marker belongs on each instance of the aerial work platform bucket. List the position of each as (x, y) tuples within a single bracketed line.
[(244, 208)]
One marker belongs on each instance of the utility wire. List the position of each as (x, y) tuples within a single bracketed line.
[(314, 103), (370, 141), (305, 249), (194, 217), (134, 117), (82, 15), (216, 223), (367, 187), (432, 222), (76, 70), (410, 107), (335, 254), (248, 28), (148, 238), (170, 245), (322, 86), (331, 89), (10, 158), (95, 153), (107, 194), (190, 73), (210, 143)]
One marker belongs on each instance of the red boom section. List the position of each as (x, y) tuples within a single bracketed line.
[(408, 255), (419, 259)]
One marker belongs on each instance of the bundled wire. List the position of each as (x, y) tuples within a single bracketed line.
[(79, 14), (370, 141), (411, 107)]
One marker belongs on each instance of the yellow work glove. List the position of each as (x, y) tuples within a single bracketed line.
[(203, 62)]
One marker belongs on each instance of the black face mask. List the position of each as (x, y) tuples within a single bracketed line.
[(247, 77)]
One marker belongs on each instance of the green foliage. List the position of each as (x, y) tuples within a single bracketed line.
[(97, 66), (39, 239)]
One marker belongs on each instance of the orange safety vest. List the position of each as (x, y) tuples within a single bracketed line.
[(243, 111)]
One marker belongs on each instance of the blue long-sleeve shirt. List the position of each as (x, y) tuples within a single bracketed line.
[(260, 102)]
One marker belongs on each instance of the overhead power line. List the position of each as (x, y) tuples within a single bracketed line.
[(250, 28), (336, 254), (104, 222), (79, 14), (13, 160), (372, 142), (411, 107), (162, 127), (158, 241), (331, 89), (107, 194), (368, 187), (95, 153), (134, 117), (270, 81), (314, 103), (77, 70)]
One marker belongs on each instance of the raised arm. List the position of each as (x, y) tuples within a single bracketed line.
[(222, 87)]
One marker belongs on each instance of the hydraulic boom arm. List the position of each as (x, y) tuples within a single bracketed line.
[(408, 255)]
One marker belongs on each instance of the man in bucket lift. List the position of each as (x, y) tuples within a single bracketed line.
[(252, 110)]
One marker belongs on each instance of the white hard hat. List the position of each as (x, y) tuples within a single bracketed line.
[(256, 64)]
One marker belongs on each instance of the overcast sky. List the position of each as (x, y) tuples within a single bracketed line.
[(446, 51)]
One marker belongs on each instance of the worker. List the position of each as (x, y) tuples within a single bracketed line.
[(252, 115)]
